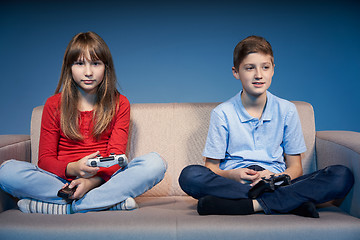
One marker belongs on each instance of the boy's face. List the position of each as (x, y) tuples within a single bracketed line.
[(255, 73)]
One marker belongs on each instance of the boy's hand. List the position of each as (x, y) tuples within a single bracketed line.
[(266, 173), (262, 174), (244, 175), (80, 169)]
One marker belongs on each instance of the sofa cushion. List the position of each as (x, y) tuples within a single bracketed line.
[(176, 218), (178, 131)]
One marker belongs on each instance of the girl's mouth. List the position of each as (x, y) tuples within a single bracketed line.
[(88, 81)]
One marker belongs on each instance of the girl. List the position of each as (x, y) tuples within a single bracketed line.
[(87, 116)]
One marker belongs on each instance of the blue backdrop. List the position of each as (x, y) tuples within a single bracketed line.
[(182, 52)]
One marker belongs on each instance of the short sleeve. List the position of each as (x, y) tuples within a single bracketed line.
[(217, 138), (293, 140)]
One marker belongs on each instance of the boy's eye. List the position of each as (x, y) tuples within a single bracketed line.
[(249, 68)]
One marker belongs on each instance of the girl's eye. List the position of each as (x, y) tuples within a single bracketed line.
[(96, 63), (79, 63)]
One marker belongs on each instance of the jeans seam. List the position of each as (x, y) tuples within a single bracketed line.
[(264, 206)]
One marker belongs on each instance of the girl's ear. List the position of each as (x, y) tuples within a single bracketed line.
[(235, 73)]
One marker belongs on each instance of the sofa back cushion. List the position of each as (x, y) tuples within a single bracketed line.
[(177, 131)]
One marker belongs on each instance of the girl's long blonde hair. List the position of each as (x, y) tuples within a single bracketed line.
[(107, 94)]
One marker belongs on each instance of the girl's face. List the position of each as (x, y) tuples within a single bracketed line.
[(88, 74), (255, 73)]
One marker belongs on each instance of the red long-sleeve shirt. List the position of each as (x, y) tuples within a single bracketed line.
[(56, 150)]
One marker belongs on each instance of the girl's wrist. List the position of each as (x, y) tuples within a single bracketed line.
[(70, 170), (96, 181)]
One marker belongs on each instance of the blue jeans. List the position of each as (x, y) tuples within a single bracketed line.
[(24, 180), (324, 185)]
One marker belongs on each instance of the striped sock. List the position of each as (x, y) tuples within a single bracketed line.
[(128, 204), (36, 206)]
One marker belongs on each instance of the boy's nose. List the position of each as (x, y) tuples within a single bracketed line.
[(258, 74)]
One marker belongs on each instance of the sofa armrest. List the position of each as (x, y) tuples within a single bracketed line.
[(342, 147), (13, 147)]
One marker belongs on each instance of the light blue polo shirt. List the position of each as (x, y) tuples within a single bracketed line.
[(240, 140)]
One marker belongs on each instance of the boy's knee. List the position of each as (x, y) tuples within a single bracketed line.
[(191, 174), (191, 180), (341, 172), (343, 178)]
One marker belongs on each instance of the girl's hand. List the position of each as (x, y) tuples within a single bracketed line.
[(80, 169), (84, 185)]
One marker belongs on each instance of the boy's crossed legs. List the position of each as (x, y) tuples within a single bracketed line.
[(219, 195)]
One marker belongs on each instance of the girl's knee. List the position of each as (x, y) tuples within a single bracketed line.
[(12, 167), (10, 172), (6, 163), (151, 162)]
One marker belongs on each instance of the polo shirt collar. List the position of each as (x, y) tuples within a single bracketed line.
[(245, 116)]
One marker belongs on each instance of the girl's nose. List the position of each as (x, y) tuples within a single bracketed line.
[(88, 70)]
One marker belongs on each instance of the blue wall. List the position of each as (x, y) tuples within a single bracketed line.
[(182, 52)]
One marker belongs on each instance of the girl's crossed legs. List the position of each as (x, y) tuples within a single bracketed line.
[(24, 180)]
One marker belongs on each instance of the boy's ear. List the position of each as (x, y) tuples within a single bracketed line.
[(235, 73)]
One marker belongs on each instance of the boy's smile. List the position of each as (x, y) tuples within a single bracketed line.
[(255, 73)]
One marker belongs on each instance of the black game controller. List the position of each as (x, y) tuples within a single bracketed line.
[(269, 185), (66, 193)]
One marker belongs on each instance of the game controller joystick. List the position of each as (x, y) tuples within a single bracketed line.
[(269, 185), (108, 161)]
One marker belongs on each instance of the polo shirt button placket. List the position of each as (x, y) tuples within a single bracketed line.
[(254, 123), (257, 134)]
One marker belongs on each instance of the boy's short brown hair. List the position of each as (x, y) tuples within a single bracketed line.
[(251, 44)]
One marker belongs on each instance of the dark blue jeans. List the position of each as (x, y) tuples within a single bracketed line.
[(324, 185)]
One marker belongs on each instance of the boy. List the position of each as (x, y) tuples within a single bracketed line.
[(256, 135)]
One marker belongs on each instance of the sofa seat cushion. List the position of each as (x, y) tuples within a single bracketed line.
[(176, 218)]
